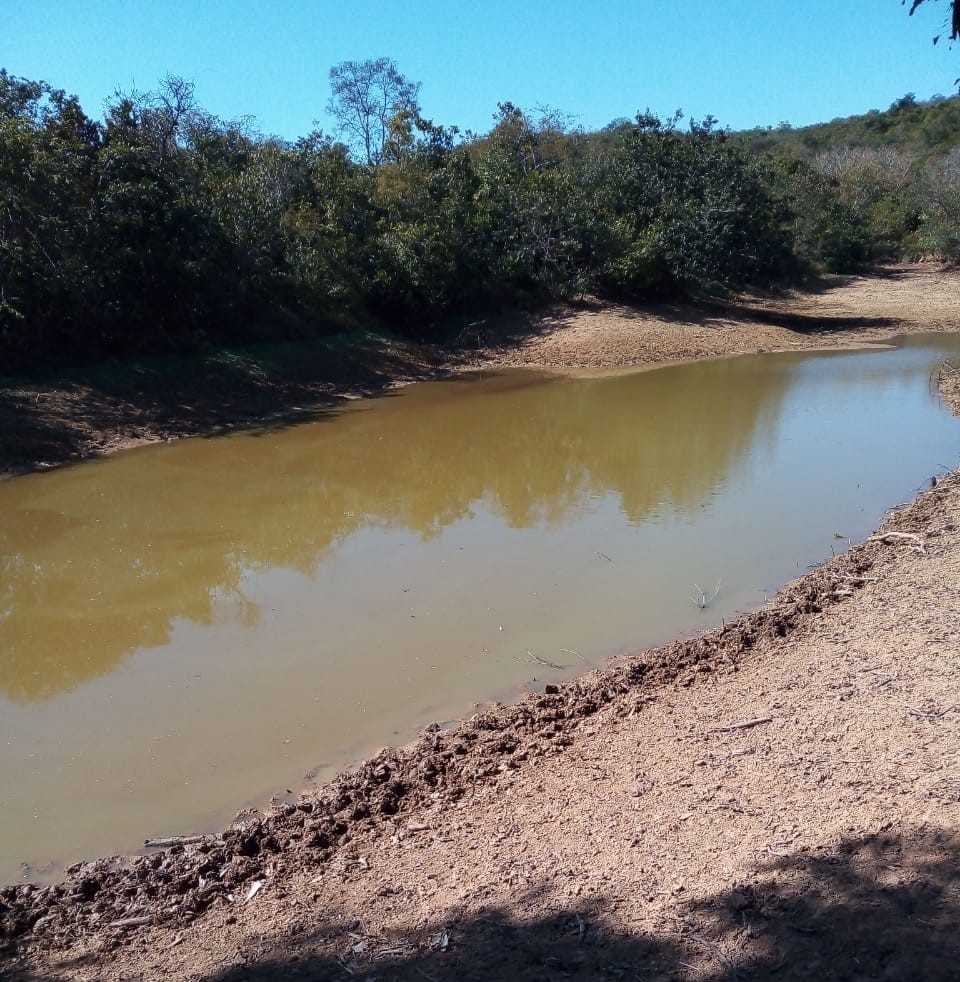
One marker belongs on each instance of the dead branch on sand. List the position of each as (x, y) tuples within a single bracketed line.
[(746, 724)]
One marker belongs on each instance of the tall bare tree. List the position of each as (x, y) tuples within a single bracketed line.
[(365, 97)]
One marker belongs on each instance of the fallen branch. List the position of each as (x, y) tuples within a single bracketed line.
[(930, 714), (547, 664), (744, 725), (173, 840), (131, 922)]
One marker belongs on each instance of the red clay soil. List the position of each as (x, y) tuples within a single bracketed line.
[(777, 799)]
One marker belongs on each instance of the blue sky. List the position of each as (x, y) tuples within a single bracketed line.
[(748, 62)]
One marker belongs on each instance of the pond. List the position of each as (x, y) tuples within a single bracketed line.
[(189, 628)]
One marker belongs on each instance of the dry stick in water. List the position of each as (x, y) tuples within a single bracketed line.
[(548, 664), (703, 599), (173, 840)]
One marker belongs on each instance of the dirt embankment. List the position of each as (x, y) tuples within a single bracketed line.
[(779, 798), (841, 312), (112, 407)]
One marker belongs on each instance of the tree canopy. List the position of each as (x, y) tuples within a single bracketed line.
[(161, 227), (365, 98)]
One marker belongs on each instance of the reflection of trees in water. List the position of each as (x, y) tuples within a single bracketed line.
[(100, 559)]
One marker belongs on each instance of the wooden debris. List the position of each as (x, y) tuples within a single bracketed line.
[(743, 725), (892, 538), (131, 921), (173, 840)]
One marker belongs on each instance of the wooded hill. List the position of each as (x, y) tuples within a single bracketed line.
[(922, 129)]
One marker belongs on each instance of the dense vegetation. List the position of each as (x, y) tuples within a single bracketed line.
[(921, 129), (163, 227)]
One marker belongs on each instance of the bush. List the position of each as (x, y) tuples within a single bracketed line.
[(691, 212), (163, 227), (939, 197)]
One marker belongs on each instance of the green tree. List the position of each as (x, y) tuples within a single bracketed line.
[(691, 211)]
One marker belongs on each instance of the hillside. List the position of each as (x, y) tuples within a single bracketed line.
[(923, 128)]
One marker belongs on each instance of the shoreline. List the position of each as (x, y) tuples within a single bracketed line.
[(109, 408), (209, 901), (193, 885)]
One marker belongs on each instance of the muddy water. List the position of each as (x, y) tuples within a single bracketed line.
[(187, 629)]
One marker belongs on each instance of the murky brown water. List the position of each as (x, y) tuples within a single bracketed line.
[(186, 629)]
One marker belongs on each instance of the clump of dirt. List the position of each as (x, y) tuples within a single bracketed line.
[(179, 884)]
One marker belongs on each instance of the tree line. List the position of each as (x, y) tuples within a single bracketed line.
[(922, 128), (161, 227)]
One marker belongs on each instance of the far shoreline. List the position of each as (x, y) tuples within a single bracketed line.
[(114, 407)]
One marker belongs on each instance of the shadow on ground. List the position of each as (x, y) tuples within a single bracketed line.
[(792, 320), (505, 332), (95, 409), (69, 417), (879, 907)]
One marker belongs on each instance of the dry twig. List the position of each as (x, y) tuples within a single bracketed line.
[(743, 725)]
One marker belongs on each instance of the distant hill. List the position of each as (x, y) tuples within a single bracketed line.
[(925, 129)]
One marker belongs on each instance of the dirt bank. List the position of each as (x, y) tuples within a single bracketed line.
[(779, 798), (841, 312), (100, 410)]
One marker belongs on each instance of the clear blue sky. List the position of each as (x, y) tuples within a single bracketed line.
[(748, 62)]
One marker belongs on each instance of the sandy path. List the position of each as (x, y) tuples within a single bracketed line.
[(655, 838)]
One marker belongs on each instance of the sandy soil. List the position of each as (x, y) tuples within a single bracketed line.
[(778, 799), (109, 408), (839, 312)]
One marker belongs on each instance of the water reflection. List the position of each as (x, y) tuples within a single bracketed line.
[(242, 610), (100, 560)]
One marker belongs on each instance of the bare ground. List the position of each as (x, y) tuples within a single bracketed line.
[(107, 408), (777, 799), (838, 312)]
